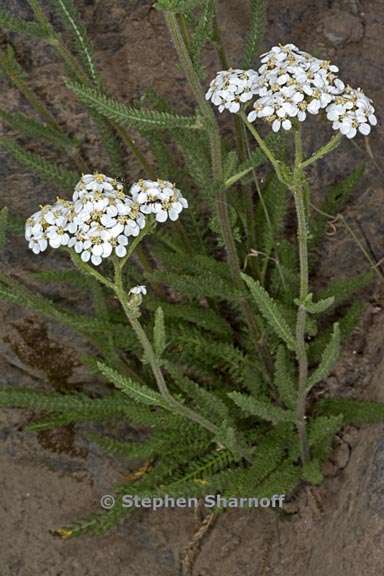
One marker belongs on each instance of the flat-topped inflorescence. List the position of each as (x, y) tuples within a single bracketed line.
[(289, 85), (101, 218)]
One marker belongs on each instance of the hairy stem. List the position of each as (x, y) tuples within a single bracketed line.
[(298, 188), (277, 165), (217, 166), (152, 358)]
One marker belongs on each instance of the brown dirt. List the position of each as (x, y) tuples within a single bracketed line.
[(48, 481)]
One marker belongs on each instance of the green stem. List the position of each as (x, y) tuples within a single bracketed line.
[(55, 40), (217, 166), (277, 165), (241, 145), (152, 358), (297, 187), (218, 41)]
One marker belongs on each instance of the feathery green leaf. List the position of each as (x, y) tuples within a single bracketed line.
[(283, 378), (264, 410), (138, 392), (270, 310), (47, 169), (355, 412), (13, 24), (36, 129), (128, 116), (256, 32), (328, 359)]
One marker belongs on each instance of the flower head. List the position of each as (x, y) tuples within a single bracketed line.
[(160, 198), (101, 218), (101, 213), (52, 225), (351, 112), (231, 88), (292, 84), (98, 183)]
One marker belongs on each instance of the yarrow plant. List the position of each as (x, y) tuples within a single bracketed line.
[(203, 314)]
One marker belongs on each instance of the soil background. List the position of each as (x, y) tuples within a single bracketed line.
[(48, 480)]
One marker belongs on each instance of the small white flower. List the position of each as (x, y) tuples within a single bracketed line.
[(138, 290)]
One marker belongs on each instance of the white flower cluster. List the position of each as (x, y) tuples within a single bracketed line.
[(160, 198), (290, 84), (101, 218), (351, 112), (231, 88)]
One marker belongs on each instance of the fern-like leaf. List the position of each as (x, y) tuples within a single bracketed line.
[(128, 116), (71, 20), (36, 129), (328, 359), (256, 32), (13, 24), (355, 412), (283, 378), (271, 312), (47, 169), (138, 392), (264, 410)]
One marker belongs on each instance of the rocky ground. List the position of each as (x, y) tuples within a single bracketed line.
[(48, 480)]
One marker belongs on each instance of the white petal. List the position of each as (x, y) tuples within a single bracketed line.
[(276, 124), (364, 128), (162, 216), (345, 127), (174, 214), (123, 240), (97, 250), (314, 107), (372, 119), (234, 107), (43, 244), (121, 251), (352, 133), (287, 124), (85, 256), (96, 260), (107, 249), (55, 241)]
